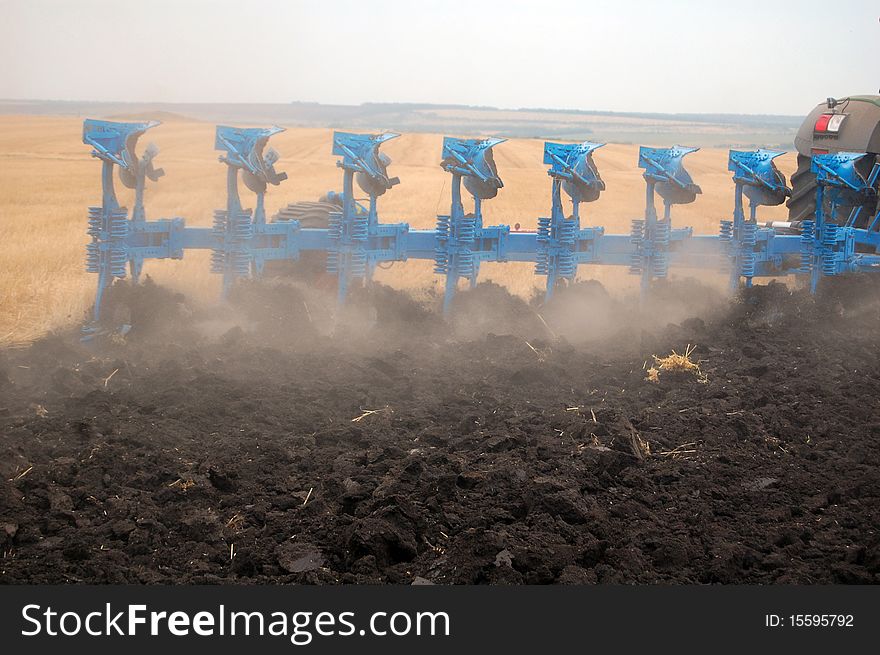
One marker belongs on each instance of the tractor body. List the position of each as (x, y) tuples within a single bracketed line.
[(846, 125)]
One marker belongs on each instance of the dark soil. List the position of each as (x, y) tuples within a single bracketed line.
[(257, 444)]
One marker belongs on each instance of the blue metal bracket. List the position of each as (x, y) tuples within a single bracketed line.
[(560, 239), (236, 254), (109, 227), (868, 236), (462, 241), (870, 188), (358, 241), (664, 174), (756, 177), (828, 248)]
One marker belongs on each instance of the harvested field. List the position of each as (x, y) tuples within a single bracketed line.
[(246, 445)]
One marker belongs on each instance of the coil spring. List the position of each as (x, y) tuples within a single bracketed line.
[(726, 231), (829, 234), (637, 232), (635, 263), (829, 264), (442, 227), (441, 262), (542, 262), (241, 227), (662, 233), (359, 228), (240, 262), (567, 231), (117, 223), (114, 257), (466, 230), (219, 221), (543, 230), (465, 263), (119, 226), (93, 258), (747, 264), (118, 260), (107, 248), (358, 261), (566, 266), (218, 261), (334, 225), (749, 234), (542, 254), (660, 264), (637, 238), (236, 229), (807, 246), (237, 226), (95, 221)]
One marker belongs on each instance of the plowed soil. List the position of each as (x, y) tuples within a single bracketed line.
[(512, 444)]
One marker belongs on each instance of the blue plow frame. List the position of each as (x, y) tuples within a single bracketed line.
[(356, 241)]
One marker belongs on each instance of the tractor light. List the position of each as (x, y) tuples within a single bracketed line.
[(829, 124)]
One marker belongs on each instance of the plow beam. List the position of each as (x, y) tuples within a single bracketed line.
[(356, 241)]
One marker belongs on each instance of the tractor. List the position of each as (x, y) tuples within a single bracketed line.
[(849, 124)]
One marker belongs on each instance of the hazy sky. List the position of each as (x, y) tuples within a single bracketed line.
[(743, 56)]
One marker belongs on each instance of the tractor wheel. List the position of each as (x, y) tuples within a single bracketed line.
[(802, 204), (309, 214)]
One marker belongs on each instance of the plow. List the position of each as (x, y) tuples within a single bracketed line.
[(834, 225)]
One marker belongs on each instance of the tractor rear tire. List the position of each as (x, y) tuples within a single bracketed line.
[(309, 214), (802, 204)]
